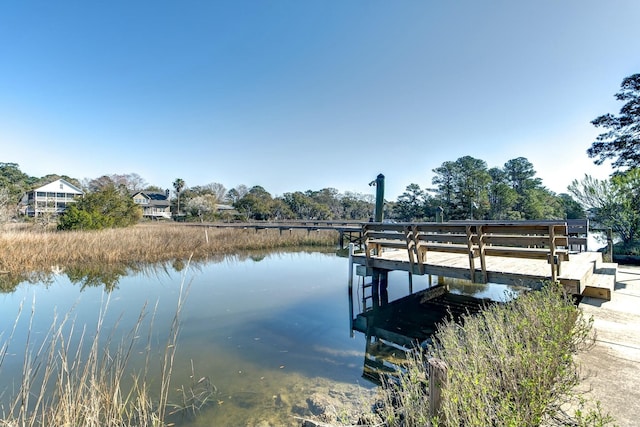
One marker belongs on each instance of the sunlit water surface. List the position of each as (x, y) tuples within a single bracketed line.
[(265, 332)]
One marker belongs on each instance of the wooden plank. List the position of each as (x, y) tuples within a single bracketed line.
[(398, 244), (516, 252), (523, 240), (532, 229), (388, 235), (441, 228), (444, 247), (444, 238)]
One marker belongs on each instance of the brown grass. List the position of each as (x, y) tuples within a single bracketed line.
[(27, 250), (65, 384)]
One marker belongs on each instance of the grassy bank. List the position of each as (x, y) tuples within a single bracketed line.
[(29, 249)]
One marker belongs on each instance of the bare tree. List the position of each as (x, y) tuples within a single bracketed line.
[(131, 182), (7, 208)]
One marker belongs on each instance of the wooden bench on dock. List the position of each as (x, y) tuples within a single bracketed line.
[(546, 241), (478, 240), (578, 233)]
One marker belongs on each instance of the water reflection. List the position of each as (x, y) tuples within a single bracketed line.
[(266, 331), (108, 276), (411, 319)]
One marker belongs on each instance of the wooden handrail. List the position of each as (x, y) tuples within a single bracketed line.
[(530, 240)]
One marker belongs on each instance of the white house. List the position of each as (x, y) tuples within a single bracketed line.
[(52, 198)]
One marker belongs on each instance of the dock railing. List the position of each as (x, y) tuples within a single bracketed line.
[(544, 240)]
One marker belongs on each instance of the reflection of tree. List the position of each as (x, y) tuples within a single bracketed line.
[(109, 276), (9, 282), (178, 265), (96, 276), (466, 287)]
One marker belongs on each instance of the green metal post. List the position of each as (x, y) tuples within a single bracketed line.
[(379, 198)]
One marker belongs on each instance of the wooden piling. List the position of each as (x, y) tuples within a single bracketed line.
[(437, 380)]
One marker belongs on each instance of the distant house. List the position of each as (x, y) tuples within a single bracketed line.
[(52, 198), (225, 208), (154, 205)]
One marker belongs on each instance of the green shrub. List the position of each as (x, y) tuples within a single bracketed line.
[(512, 365), (106, 208), (509, 365)]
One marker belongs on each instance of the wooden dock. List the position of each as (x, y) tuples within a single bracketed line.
[(514, 253), (348, 231), (584, 274), (526, 254)]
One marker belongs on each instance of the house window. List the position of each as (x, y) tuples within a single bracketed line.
[(41, 194), (60, 195)]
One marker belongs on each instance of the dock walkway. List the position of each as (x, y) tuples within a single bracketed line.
[(515, 253)]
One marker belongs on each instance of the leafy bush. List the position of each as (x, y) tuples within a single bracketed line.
[(510, 365), (106, 208)]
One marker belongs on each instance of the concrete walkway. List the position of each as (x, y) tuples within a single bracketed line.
[(612, 366)]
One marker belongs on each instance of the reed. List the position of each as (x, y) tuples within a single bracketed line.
[(29, 250), (69, 379)]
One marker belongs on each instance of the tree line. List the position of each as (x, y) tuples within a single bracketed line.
[(465, 188)]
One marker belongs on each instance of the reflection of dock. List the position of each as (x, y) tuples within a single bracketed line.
[(412, 319), (393, 329)]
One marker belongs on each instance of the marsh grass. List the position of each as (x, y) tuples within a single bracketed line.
[(32, 250), (76, 376)]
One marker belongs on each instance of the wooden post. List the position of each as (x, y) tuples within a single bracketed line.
[(351, 289), (610, 244), (437, 379), (379, 214)]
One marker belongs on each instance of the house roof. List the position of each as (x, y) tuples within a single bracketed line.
[(224, 207), (156, 196), (60, 186), (150, 195), (155, 199)]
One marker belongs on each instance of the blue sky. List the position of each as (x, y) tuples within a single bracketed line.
[(299, 95)]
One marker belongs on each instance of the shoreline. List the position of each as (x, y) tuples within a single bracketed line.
[(29, 250)]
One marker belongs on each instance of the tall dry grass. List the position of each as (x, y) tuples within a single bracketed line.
[(27, 250), (75, 375)]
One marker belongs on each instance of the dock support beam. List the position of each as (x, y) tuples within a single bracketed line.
[(379, 284), (351, 249)]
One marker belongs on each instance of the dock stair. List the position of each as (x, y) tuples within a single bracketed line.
[(587, 275)]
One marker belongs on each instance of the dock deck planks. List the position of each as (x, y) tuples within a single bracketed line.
[(575, 273)]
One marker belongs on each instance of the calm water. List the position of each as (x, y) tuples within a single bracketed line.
[(267, 332), (264, 331)]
